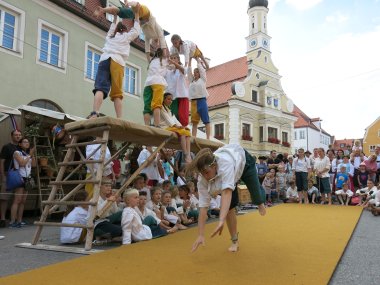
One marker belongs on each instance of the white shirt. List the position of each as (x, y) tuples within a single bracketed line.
[(215, 202), (23, 170), (151, 170), (167, 119), (230, 166), (77, 216), (147, 212), (111, 210), (156, 72), (291, 193), (133, 229), (322, 164), (107, 170), (180, 182), (349, 193), (197, 89), (177, 84), (118, 47), (301, 164), (187, 48), (376, 200)]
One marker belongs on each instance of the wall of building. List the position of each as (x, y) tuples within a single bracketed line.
[(372, 138), (25, 80)]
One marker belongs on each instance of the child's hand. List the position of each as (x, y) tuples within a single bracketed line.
[(199, 241), (112, 198)]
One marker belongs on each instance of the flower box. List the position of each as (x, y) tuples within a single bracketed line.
[(286, 144), (246, 138), (274, 140)]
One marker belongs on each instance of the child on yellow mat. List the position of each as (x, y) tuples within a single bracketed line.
[(151, 29), (189, 49)]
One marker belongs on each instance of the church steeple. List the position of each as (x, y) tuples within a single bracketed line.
[(258, 28)]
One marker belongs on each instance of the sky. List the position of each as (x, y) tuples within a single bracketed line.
[(327, 51)]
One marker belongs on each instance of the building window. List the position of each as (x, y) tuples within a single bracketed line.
[(261, 134), (275, 102), (52, 45), (285, 137), (254, 96), (272, 133), (302, 135), (130, 80), (246, 132), (295, 135), (46, 104), (257, 76), (342, 145), (219, 131), (92, 62), (11, 29), (372, 148), (80, 1)]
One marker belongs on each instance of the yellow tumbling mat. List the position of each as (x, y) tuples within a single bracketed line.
[(292, 244)]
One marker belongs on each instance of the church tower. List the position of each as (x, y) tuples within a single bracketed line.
[(258, 37)]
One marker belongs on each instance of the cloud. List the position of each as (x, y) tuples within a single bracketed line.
[(303, 4), (337, 18)]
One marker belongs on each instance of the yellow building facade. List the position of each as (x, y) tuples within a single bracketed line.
[(372, 137)]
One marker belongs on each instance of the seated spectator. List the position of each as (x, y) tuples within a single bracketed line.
[(166, 185), (133, 228), (140, 184), (155, 203), (371, 166), (77, 215), (371, 197), (341, 177), (190, 208), (214, 210), (344, 195), (144, 212), (292, 193), (107, 227), (170, 213), (313, 192), (181, 181), (364, 192)]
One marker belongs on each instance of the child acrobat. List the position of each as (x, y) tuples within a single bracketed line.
[(220, 171), (170, 123), (109, 78), (189, 49), (151, 29)]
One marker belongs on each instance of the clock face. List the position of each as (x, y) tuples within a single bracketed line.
[(253, 43)]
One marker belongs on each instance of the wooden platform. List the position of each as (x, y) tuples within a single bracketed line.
[(126, 131)]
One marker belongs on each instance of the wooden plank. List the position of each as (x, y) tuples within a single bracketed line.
[(59, 248), (85, 143), (53, 224), (68, 203), (71, 182), (72, 163)]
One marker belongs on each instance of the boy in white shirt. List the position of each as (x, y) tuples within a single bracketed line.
[(292, 193), (344, 195)]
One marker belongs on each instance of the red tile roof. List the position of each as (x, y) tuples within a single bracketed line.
[(221, 77), (304, 121)]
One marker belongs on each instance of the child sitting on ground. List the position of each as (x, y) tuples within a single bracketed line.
[(170, 213), (214, 210), (189, 49), (189, 208), (77, 215), (181, 180), (313, 192), (133, 228), (140, 184), (364, 192), (144, 212), (291, 193), (344, 195)]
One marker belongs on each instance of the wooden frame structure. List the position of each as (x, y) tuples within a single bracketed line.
[(103, 129)]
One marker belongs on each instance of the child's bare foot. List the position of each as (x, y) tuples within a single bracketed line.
[(234, 247), (172, 230), (98, 11), (262, 209), (181, 227)]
